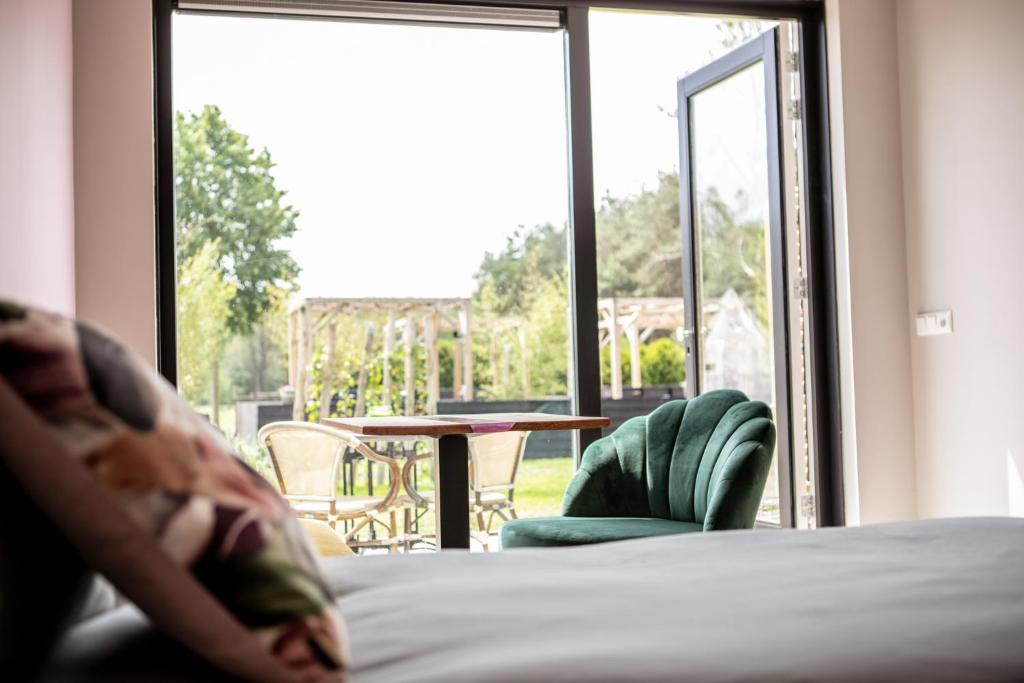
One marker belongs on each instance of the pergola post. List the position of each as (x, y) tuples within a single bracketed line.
[(307, 317), (409, 339), (524, 360), (633, 337), (363, 371), (430, 328), (328, 377), (292, 348), (389, 336), (457, 368), (304, 344), (465, 329), (613, 343)]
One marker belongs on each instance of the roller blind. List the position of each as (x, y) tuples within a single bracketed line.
[(383, 10)]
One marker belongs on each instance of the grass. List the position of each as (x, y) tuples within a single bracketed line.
[(540, 485)]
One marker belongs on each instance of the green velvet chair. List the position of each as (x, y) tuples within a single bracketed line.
[(694, 465)]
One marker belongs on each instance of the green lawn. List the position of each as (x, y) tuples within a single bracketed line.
[(540, 486)]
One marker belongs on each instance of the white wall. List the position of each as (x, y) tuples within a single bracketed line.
[(114, 195), (962, 97), (36, 184), (876, 385)]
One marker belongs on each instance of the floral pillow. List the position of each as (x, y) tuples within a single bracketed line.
[(173, 474)]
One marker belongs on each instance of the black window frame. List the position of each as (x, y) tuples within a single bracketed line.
[(586, 374)]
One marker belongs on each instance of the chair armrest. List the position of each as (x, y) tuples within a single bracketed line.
[(394, 471), (410, 488), (611, 480), (736, 486)]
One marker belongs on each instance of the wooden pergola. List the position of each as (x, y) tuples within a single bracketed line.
[(638, 318), (409, 321)]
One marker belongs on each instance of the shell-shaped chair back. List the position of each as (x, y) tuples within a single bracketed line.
[(702, 460)]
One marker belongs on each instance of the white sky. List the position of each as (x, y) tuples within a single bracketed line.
[(400, 144)]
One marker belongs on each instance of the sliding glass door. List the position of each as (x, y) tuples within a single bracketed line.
[(377, 207), (734, 252)]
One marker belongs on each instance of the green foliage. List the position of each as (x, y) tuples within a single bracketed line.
[(255, 456), (256, 363), (225, 194), (506, 281), (446, 359), (639, 248), (662, 362), (204, 298), (521, 310), (639, 255), (348, 358), (547, 338), (733, 253)]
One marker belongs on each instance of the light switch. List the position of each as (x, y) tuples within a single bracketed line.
[(934, 322)]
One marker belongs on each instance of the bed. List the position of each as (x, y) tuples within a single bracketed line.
[(939, 600)]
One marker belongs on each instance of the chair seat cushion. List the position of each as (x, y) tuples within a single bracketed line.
[(560, 531)]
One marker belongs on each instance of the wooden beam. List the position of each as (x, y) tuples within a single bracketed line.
[(616, 357), (301, 372), (292, 348), (363, 371), (327, 381), (430, 327), (466, 330), (409, 339), (389, 336), (633, 337), (524, 361), (457, 368)]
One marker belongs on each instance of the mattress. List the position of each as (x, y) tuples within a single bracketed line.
[(938, 600)]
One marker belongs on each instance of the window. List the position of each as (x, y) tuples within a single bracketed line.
[(317, 165)]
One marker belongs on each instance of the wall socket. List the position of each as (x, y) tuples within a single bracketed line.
[(934, 322)]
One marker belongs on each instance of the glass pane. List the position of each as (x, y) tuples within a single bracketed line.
[(637, 59), (371, 220), (730, 175)]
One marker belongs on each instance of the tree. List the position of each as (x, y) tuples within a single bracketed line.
[(639, 255), (225, 193), (639, 249), (507, 280), (733, 253), (255, 362), (204, 299), (525, 282)]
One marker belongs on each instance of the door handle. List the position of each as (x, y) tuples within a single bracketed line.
[(688, 340)]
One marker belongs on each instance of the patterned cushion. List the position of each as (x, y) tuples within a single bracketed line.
[(152, 496)]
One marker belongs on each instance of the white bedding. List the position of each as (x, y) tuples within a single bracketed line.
[(939, 600)]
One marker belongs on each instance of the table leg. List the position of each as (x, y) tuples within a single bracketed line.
[(452, 492)]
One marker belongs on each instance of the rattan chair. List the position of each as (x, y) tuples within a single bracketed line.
[(494, 461), (306, 459)]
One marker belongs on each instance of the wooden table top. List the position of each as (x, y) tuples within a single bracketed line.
[(446, 425)]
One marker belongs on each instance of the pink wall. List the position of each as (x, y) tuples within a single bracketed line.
[(115, 251), (36, 159)]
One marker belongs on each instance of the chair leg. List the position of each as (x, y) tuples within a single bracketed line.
[(393, 545), (407, 526)]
